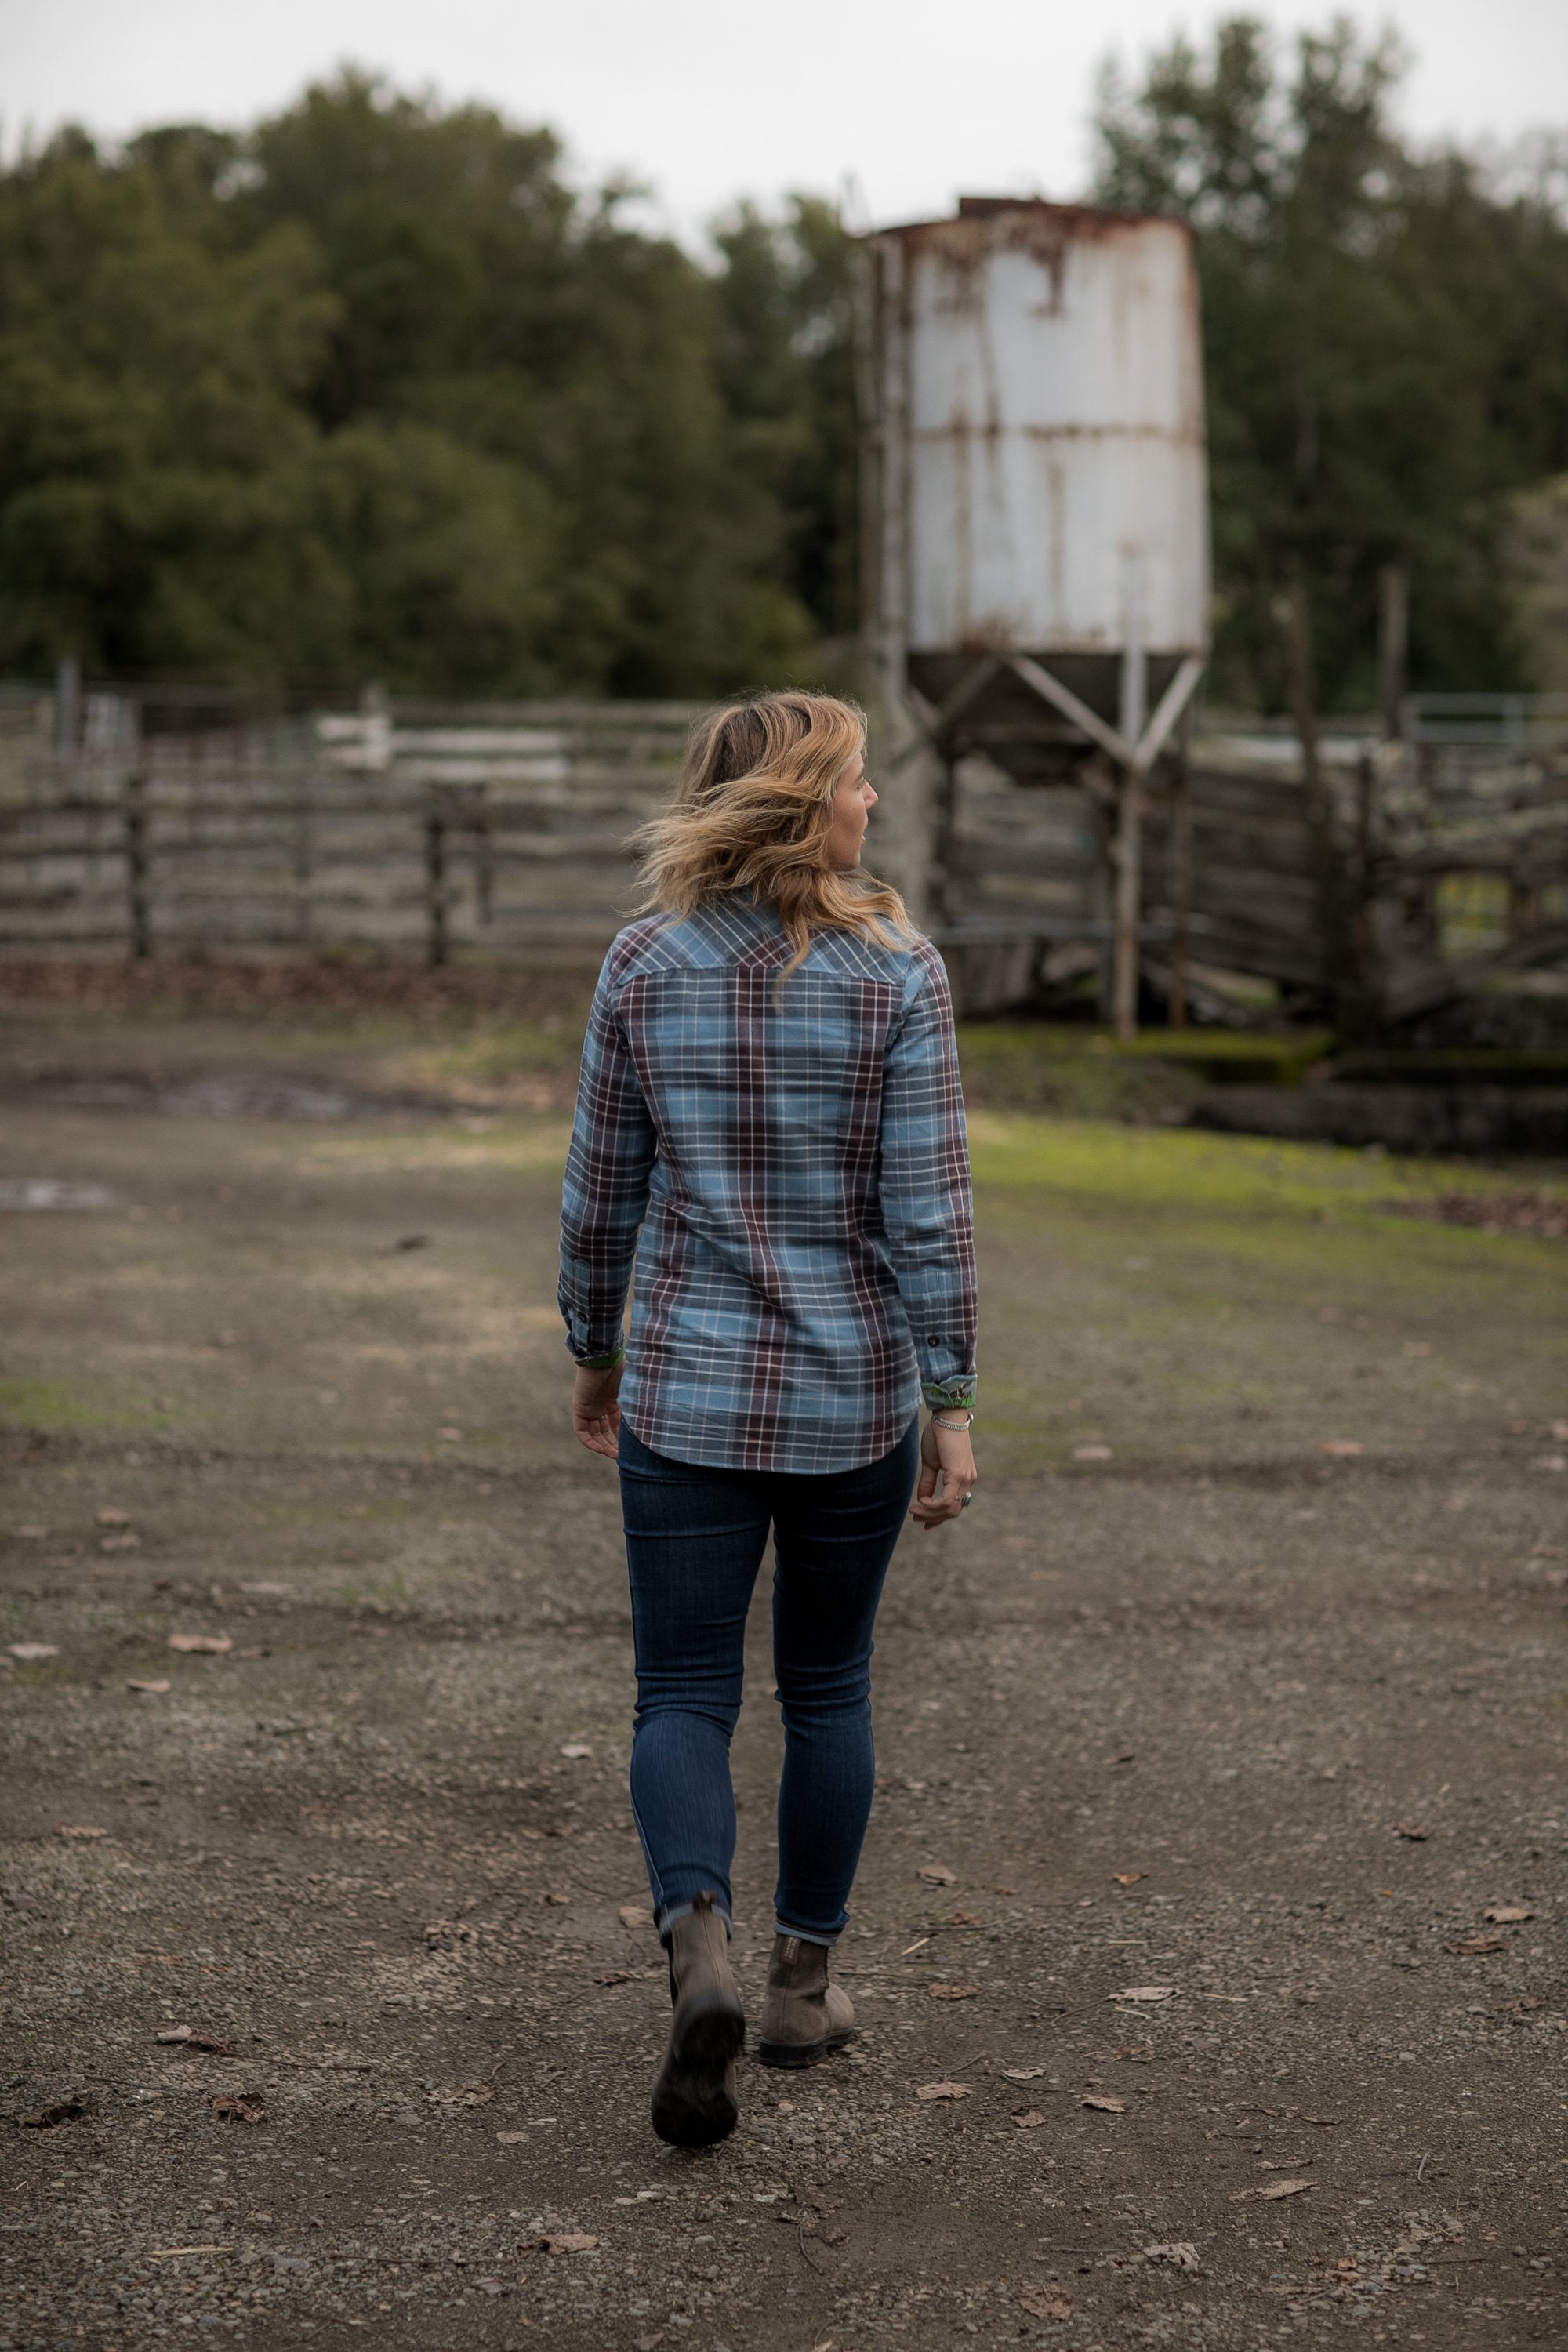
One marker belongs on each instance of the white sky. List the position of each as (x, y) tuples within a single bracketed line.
[(709, 98)]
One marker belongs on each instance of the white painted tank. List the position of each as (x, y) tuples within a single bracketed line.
[(1038, 479)]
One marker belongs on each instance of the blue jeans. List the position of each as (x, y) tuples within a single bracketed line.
[(695, 1539)]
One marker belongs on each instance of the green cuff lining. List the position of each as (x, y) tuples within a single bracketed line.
[(598, 1363)]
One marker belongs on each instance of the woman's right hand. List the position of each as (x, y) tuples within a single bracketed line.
[(947, 1476)]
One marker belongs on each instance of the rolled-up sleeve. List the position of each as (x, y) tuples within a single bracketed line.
[(604, 1196), (927, 1207)]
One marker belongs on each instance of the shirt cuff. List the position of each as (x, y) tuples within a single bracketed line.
[(599, 1363), (958, 1392)]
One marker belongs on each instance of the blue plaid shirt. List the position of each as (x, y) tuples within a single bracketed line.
[(783, 1184)]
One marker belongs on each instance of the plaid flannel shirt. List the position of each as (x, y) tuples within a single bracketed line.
[(783, 1184)]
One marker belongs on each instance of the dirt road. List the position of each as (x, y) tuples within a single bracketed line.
[(1208, 1946)]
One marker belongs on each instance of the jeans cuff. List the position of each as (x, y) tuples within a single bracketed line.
[(806, 1935), (665, 1918)]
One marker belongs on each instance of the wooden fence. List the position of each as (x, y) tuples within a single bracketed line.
[(451, 831)]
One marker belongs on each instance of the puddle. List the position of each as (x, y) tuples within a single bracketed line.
[(52, 1193)]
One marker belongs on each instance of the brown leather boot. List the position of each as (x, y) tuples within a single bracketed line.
[(803, 2016), (694, 2100)]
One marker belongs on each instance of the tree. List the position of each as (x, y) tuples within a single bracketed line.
[(1387, 338)]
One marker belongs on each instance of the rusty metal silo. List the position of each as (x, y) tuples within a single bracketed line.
[(1036, 496)]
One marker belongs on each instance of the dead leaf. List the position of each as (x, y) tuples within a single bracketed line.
[(29, 1651), (1126, 1756), (1411, 1829), (953, 1991), (467, 2095), (942, 2091), (1092, 1454), (68, 2111), (1145, 1992), (110, 1517), (648, 2343), (447, 1936), (1342, 1448), (240, 2108), (148, 1686), (633, 1916), (1179, 2252), (214, 1646), (1475, 1944), (491, 2286), (1507, 1915), (1022, 2073), (189, 2038), (1046, 2302), (576, 1751), (1129, 1877), (1029, 2118), (937, 1873), (963, 1919), (78, 1830), (511, 2139), (620, 1976), (1103, 2106), (569, 2241), (1271, 2194)]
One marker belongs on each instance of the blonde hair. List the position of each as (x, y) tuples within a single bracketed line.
[(751, 815)]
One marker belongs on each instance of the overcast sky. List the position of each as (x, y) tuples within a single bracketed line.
[(910, 99)]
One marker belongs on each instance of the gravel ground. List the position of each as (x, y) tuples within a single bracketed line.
[(1207, 1951)]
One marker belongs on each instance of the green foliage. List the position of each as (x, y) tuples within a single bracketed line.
[(370, 393), (1386, 341)]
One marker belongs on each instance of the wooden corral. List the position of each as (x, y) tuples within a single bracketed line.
[(440, 831)]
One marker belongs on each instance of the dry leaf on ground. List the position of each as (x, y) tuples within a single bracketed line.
[(240, 2108), (213, 1645), (1507, 1915), (952, 1991), (577, 1752), (1104, 2106), (569, 2241), (634, 1915), (466, 2094), (1092, 1454), (1046, 2302), (511, 2139), (937, 1873), (1145, 1992), (29, 1651), (78, 1829), (1027, 2118), (1179, 2252), (1275, 2191), (1022, 2073), (1476, 1944), (154, 1686), (620, 1976), (68, 2111), (1411, 1829), (1129, 1877), (188, 2037), (1342, 1448), (942, 2091)]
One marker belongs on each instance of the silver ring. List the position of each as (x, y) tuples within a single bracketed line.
[(964, 1505)]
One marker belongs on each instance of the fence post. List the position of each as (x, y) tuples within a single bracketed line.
[(436, 884), (136, 865)]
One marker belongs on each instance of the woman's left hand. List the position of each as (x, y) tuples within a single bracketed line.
[(596, 1410)]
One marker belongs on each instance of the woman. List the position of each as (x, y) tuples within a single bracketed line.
[(769, 1147)]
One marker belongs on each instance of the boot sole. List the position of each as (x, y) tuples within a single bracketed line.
[(692, 2103), (801, 2053)]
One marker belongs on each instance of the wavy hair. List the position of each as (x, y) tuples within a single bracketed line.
[(751, 815)]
